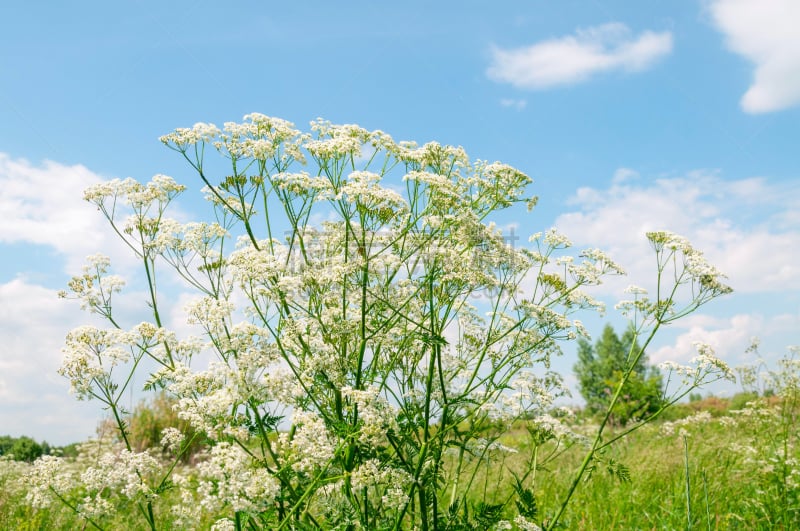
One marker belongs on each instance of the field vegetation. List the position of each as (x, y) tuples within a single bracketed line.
[(381, 358), (717, 463)]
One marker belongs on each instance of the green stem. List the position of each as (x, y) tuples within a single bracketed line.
[(688, 485), (598, 437), (75, 509)]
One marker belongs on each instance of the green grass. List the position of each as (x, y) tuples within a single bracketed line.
[(655, 495), (727, 489)]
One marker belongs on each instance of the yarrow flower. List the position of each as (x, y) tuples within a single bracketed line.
[(707, 277), (391, 483), (706, 367), (94, 288), (230, 477), (312, 445), (183, 137), (707, 360)]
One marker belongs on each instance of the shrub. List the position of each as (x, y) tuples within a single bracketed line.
[(26, 449), (146, 424)]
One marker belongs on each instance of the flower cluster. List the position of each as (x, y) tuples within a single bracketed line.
[(90, 354), (229, 477), (94, 287), (391, 483), (706, 278), (705, 368), (160, 189)]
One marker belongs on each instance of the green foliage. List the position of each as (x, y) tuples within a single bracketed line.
[(602, 366), (24, 448), (147, 421), (6, 442), (526, 502), (740, 400)]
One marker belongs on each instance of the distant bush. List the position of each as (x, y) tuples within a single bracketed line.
[(23, 448), (740, 400), (6, 443), (147, 422)]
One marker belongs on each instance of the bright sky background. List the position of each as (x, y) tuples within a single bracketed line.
[(629, 116)]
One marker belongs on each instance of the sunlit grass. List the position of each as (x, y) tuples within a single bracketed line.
[(727, 489)]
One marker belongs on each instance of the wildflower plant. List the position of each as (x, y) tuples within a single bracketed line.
[(772, 443), (760, 442), (685, 281), (372, 331)]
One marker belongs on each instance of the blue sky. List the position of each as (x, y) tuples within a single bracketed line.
[(629, 116)]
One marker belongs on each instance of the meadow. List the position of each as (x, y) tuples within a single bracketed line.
[(717, 464)]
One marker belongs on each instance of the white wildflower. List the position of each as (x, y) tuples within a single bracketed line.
[(230, 477), (183, 137), (525, 525), (90, 354), (48, 474), (171, 439), (312, 445), (556, 240)]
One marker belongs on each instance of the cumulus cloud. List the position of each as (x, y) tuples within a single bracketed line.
[(575, 58), (745, 227), (764, 32), (43, 205), (730, 337)]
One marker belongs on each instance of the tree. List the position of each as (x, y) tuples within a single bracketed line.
[(6, 442), (26, 449), (600, 369)]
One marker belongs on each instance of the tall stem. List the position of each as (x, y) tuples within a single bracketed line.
[(599, 436)]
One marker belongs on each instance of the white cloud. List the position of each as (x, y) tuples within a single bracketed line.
[(44, 205), (744, 227), (624, 174), (730, 337), (575, 58), (34, 399), (765, 32)]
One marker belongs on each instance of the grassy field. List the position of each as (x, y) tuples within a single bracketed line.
[(708, 468)]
